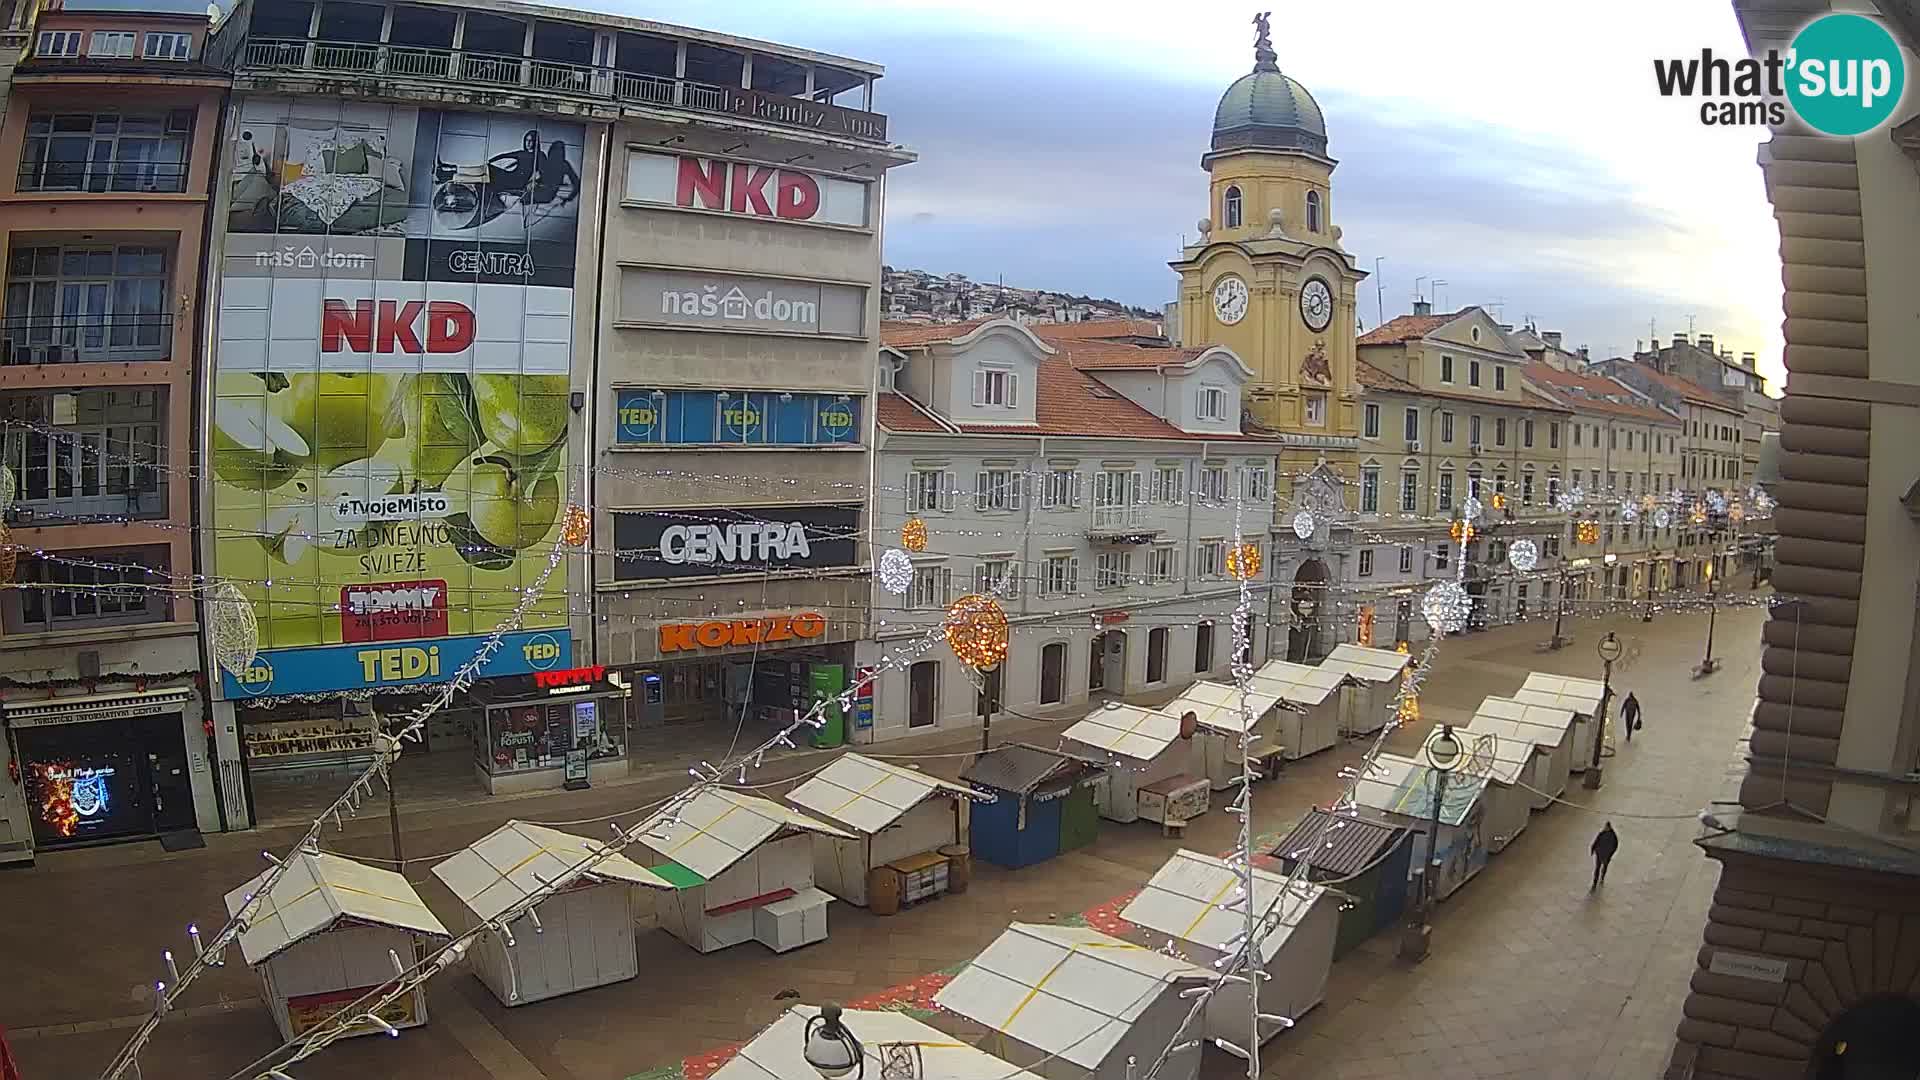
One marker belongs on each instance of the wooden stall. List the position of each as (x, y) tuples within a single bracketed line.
[(1508, 766), (1216, 743), (1312, 724), (1370, 859), (888, 1038), (1550, 728), (906, 826), (1072, 1003), (1183, 902), (1146, 755), (1401, 790), (1373, 681), (579, 938), (327, 934), (741, 868), (1043, 805), (1582, 697)]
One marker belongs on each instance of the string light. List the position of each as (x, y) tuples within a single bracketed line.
[(1589, 532), (977, 631)]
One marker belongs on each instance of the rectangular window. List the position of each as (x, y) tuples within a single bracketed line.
[(1613, 438), (1526, 488), (1203, 647), (1473, 373), (932, 588), (1370, 417), (1213, 403), (1113, 570), (1576, 434), (87, 589), (1446, 368), (929, 491), (106, 151), (1116, 498), (996, 577), (1473, 431), (1062, 491), (56, 43), (1553, 436), (1499, 377), (111, 45), (996, 489), (1163, 564), (1370, 490), (1316, 408), (168, 47), (1613, 480), (1446, 427), (1213, 484), (87, 304), (1406, 558), (1526, 433), (1499, 431), (1210, 558), (88, 454), (1440, 555), (1255, 483), (1412, 425), (1553, 488), (1409, 491), (1366, 562), (1168, 486), (1061, 577), (995, 386), (1446, 489)]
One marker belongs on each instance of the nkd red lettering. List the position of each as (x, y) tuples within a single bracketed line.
[(396, 326), (739, 188)]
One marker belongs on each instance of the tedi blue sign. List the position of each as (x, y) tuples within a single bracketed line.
[(378, 665), (736, 418)]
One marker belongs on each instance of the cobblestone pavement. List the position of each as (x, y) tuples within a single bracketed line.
[(1529, 974)]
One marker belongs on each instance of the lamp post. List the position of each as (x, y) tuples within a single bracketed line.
[(1609, 650), (989, 682), (1708, 665), (1443, 755), (831, 1049)]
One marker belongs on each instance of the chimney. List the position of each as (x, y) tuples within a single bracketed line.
[(1637, 346), (1679, 340), (1705, 342), (1423, 307), (1746, 360), (1583, 355), (1551, 337)]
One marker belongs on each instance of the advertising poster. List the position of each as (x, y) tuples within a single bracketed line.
[(391, 388)]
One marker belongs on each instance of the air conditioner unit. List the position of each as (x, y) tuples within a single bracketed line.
[(1473, 448), (1413, 446)]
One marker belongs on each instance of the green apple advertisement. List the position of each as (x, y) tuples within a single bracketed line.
[(391, 411)]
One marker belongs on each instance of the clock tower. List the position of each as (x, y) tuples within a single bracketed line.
[(1268, 277)]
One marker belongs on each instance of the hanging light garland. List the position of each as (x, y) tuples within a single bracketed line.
[(913, 535), (1499, 500), (895, 571), (1243, 561), (1629, 514), (9, 489), (1523, 555), (1698, 515), (977, 631), (1736, 513)]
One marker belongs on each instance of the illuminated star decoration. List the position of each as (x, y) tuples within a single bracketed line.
[(1303, 524), (1565, 502), (1523, 555), (895, 571)]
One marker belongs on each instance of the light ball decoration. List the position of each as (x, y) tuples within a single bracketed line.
[(895, 571), (1523, 555), (1662, 518), (1647, 502), (1564, 502), (1243, 561), (1578, 494), (1629, 513), (235, 636), (1736, 513), (1471, 509), (578, 526), (1445, 607), (913, 535), (1699, 514), (1589, 532), (1303, 524), (977, 631), (1461, 532), (1499, 500)]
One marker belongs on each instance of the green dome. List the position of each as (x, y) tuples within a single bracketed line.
[(1266, 110)]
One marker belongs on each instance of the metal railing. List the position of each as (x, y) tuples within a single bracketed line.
[(1116, 517), (124, 175), (81, 339)]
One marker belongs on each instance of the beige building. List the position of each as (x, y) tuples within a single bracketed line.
[(1809, 953)]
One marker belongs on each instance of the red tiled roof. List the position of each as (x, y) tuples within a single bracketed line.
[(906, 335), (899, 414), (1686, 388), (1069, 402), (1591, 393), (1375, 379), (1099, 329), (1406, 328), (1112, 355)]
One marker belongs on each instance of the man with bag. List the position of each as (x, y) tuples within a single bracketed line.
[(1630, 714)]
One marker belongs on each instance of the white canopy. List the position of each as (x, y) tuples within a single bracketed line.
[(1217, 706), (1183, 901), (1364, 662), (513, 861), (720, 827), (1562, 691), (1298, 684), (1068, 991), (868, 795), (1403, 786), (319, 889), (779, 1051), (1126, 730), (1500, 757), (1547, 725)]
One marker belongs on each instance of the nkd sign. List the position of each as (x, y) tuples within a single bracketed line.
[(738, 302), (745, 188), (718, 541)]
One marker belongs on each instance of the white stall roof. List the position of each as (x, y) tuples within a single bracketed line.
[(1504, 759), (1068, 991), (1126, 730), (319, 889), (1404, 786), (1548, 724), (1298, 684), (868, 795), (779, 1051), (720, 827), (1363, 662), (1183, 901), (513, 861), (1562, 691), (1217, 706)]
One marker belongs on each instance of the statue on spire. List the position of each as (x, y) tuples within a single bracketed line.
[(1264, 58)]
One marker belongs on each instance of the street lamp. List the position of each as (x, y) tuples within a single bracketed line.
[(831, 1049), (989, 682), (1708, 665), (1609, 650), (1443, 752)]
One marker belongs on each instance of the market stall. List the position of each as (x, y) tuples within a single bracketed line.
[(1370, 859), (1582, 697), (325, 936), (549, 730), (888, 1038), (908, 831), (578, 938), (1551, 730), (1313, 724), (1216, 744), (1146, 776), (1083, 1001), (1508, 766), (741, 869), (1402, 791), (1184, 901), (1043, 805), (1373, 675)]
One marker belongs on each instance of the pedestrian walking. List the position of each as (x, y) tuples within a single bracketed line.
[(1630, 712), (1605, 843)]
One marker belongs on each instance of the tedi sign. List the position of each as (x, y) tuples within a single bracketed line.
[(1843, 76)]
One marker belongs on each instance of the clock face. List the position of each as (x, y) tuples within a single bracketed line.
[(1230, 299), (1316, 304)]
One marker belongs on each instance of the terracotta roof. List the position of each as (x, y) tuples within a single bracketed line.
[(1099, 329), (1406, 328), (1686, 388), (906, 335), (1592, 393), (1375, 379), (1111, 355), (899, 414)]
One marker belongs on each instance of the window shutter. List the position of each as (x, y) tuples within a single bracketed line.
[(982, 490), (916, 491), (1016, 489), (1133, 489), (1073, 574), (1013, 389), (946, 492), (979, 387)]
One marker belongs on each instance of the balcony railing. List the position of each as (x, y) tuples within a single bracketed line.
[(169, 177), (85, 340), (435, 65)]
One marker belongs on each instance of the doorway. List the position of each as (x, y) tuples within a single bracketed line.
[(1309, 594), (1876, 1039), (923, 691), (1053, 673), (106, 780), (1107, 662), (1157, 655)]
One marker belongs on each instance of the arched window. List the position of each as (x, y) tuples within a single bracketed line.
[(1313, 211), (1230, 210)]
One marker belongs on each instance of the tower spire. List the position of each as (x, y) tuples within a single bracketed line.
[(1264, 58)]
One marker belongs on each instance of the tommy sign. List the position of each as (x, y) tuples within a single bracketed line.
[(731, 302), (746, 189), (709, 542)]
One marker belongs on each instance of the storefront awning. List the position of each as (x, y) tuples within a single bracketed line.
[(91, 707)]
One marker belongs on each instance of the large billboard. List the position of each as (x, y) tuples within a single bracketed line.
[(733, 540), (391, 406)]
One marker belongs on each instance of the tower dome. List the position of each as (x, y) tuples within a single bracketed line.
[(1266, 110)]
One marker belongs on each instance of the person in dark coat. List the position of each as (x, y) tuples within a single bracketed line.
[(1605, 843), (1630, 712)]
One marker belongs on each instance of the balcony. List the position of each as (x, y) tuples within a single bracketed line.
[(97, 340), (1121, 524), (77, 304), (85, 590), (86, 456), (151, 177)]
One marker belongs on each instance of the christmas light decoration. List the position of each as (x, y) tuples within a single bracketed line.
[(1698, 515), (9, 489), (1662, 518), (1471, 509), (1589, 532), (1446, 606), (913, 535), (9, 555), (235, 636), (1736, 513), (1629, 514), (1716, 502), (1523, 555), (577, 527), (1461, 532), (1499, 500), (1565, 502), (977, 631), (1243, 561), (1303, 524), (895, 571)]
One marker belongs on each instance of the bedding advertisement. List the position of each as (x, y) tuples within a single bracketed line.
[(391, 386)]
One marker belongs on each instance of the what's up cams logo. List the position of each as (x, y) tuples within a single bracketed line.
[(1843, 75)]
